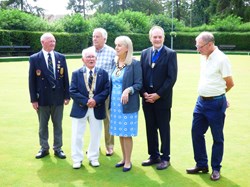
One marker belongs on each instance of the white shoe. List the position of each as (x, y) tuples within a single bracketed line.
[(94, 163), (77, 165)]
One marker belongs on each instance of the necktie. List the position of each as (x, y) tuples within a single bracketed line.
[(155, 56), (90, 79), (51, 71)]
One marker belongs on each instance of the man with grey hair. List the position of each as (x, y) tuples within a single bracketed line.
[(49, 92), (89, 89), (105, 55), (215, 80)]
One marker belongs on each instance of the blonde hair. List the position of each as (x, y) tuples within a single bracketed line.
[(126, 41)]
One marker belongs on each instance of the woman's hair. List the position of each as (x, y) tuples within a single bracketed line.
[(126, 41)]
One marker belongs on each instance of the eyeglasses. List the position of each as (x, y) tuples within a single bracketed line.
[(199, 47)]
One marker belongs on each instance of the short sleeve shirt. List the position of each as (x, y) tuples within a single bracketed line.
[(213, 71)]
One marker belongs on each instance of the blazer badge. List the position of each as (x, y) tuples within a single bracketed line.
[(38, 72)]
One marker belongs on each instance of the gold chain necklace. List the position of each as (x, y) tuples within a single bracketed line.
[(119, 69)]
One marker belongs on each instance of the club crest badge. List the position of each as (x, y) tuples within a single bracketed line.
[(38, 72)]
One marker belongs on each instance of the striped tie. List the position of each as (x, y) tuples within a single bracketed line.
[(90, 79), (51, 71)]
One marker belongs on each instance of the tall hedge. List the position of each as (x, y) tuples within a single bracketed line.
[(66, 42)]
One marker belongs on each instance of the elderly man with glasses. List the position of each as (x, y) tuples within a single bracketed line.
[(215, 80)]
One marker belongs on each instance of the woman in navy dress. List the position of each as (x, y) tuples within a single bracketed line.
[(126, 82)]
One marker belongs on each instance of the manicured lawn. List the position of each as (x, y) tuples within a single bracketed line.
[(19, 137)]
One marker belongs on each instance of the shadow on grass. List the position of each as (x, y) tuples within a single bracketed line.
[(222, 182), (59, 172)]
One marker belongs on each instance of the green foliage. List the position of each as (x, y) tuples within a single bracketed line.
[(138, 21), (166, 22), (74, 24), (13, 19), (228, 23), (66, 42), (111, 23)]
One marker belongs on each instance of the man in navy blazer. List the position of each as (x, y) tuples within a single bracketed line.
[(89, 89), (159, 71), (49, 91)]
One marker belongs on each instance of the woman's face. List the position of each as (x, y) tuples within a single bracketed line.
[(121, 49)]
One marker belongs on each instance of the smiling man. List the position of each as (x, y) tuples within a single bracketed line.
[(159, 70), (89, 89)]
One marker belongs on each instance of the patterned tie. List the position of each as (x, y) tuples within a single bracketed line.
[(90, 79), (51, 71)]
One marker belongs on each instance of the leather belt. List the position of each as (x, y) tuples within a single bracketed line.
[(213, 97)]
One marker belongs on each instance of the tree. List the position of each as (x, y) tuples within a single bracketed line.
[(22, 5), (80, 6)]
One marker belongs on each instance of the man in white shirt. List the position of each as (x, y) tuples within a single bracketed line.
[(215, 80)]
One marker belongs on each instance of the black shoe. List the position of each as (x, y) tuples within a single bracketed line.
[(119, 165), (127, 169), (150, 162), (197, 169), (163, 165), (42, 153), (60, 154), (215, 175)]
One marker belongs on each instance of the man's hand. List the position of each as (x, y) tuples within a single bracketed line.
[(151, 98), (91, 103), (35, 106)]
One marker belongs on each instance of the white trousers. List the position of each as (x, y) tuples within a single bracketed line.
[(78, 130)]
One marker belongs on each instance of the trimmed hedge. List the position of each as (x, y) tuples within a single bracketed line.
[(74, 43), (66, 42)]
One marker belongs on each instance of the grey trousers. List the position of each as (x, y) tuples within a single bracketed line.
[(56, 114)]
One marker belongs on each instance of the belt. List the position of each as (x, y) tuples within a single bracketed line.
[(213, 97)]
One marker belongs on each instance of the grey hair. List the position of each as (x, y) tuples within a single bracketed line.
[(156, 27), (46, 35), (102, 31), (126, 41), (205, 37), (90, 49)]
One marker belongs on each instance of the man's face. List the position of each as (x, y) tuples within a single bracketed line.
[(157, 38), (89, 59), (49, 43), (203, 48), (98, 40)]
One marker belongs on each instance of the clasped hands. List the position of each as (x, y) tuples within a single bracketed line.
[(151, 98), (91, 103)]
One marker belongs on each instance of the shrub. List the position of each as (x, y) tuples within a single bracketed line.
[(13, 19), (111, 23), (230, 23), (138, 21), (166, 22), (73, 24)]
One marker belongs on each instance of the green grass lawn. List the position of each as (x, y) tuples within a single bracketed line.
[(19, 137)]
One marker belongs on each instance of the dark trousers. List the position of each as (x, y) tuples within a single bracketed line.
[(157, 120), (56, 114), (208, 113)]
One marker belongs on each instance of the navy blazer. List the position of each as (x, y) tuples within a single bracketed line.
[(39, 86), (132, 78), (164, 75), (79, 93)]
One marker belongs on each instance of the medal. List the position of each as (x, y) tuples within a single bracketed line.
[(91, 91)]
